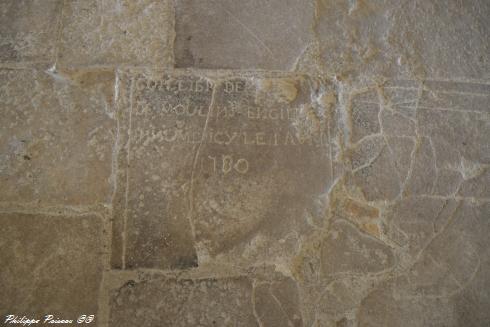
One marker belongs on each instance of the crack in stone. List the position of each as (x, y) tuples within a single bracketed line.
[(196, 156)]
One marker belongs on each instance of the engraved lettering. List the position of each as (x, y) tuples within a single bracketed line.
[(227, 163), (237, 86), (216, 138), (274, 114), (231, 138), (260, 138), (245, 140), (214, 163), (179, 110), (289, 139), (181, 86), (166, 108), (241, 166)]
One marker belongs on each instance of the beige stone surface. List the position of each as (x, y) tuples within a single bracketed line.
[(445, 286), (56, 137), (242, 34), (28, 30), (50, 265), (261, 298), (114, 32), (359, 40), (414, 188), (218, 156), (318, 163), (184, 302)]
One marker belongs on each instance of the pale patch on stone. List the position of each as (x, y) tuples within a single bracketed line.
[(116, 32)]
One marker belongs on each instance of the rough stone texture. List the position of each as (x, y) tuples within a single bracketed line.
[(57, 132), (28, 30), (184, 302), (114, 32), (218, 156), (402, 247), (338, 176), (242, 34), (445, 285), (50, 264), (392, 38), (262, 298)]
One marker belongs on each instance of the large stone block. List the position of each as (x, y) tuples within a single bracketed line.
[(56, 137), (137, 32), (184, 302), (152, 299), (51, 265), (230, 162), (415, 139), (447, 284), (242, 34), (361, 40), (29, 30)]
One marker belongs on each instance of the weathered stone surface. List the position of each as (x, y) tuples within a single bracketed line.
[(363, 255), (28, 30), (276, 303), (50, 265), (116, 32), (416, 168), (443, 287), (361, 40), (364, 109), (261, 298), (223, 159), (415, 221), (380, 308), (419, 140), (242, 34), (184, 302), (337, 267), (56, 136), (342, 182)]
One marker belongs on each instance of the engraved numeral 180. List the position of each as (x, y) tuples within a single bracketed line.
[(227, 163)]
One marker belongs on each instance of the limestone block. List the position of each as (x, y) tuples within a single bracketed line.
[(116, 32), (28, 30), (276, 301), (260, 298), (215, 162), (361, 40), (242, 34), (362, 254), (50, 265), (183, 302), (405, 137), (446, 285), (56, 137)]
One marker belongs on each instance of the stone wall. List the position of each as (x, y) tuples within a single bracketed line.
[(245, 162)]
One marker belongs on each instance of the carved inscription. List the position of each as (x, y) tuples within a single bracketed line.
[(226, 164), (210, 158), (229, 137), (224, 111)]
